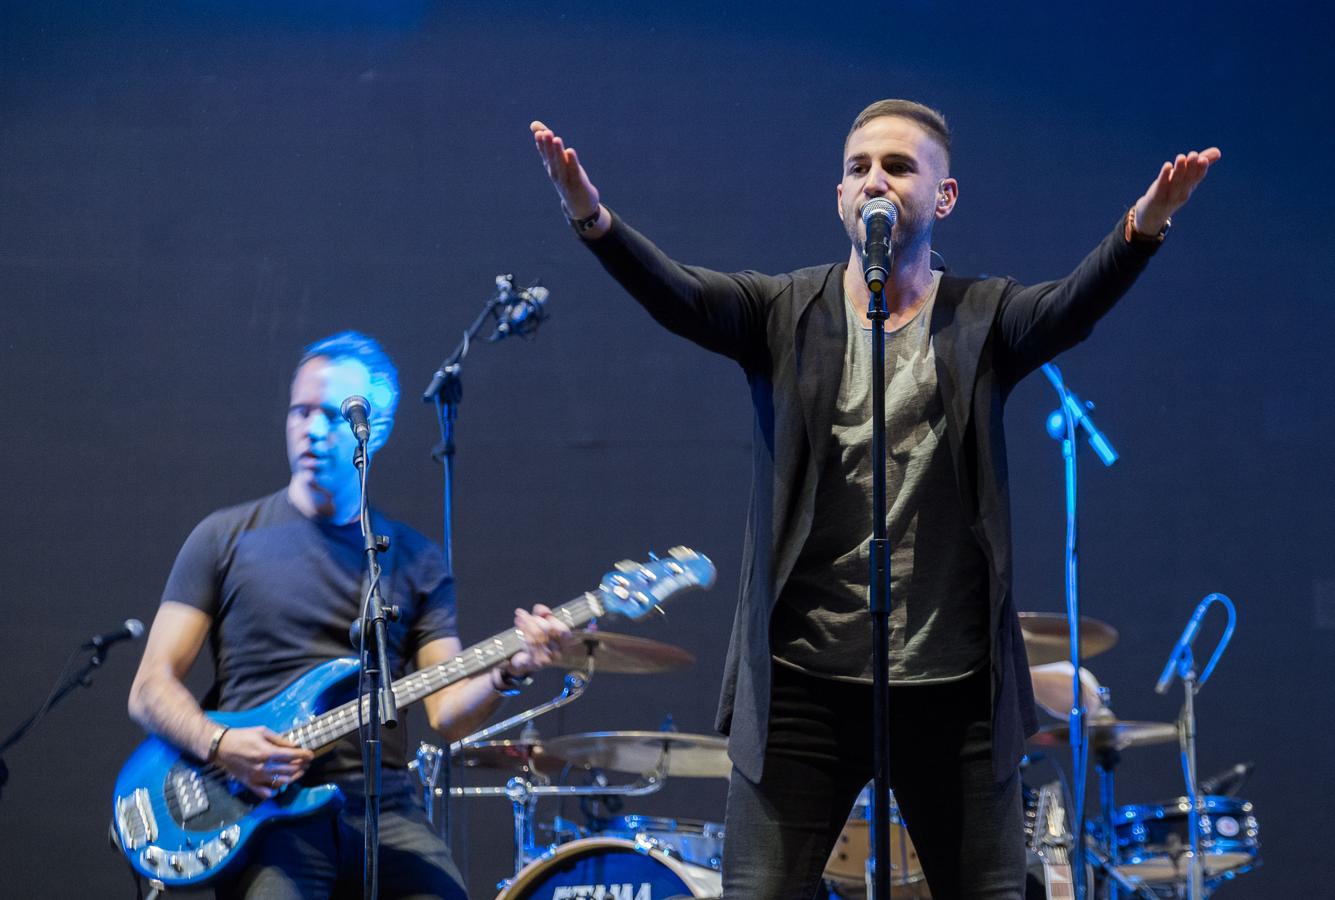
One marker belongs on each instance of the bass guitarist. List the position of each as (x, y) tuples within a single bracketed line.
[(273, 585)]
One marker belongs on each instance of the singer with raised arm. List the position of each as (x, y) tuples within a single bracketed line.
[(796, 696), (272, 586)]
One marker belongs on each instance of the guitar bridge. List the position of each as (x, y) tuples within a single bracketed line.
[(138, 825)]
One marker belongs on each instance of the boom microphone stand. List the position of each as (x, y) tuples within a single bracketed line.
[(1183, 665), (515, 313), (1062, 425)]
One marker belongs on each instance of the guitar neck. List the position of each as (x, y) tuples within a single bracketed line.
[(328, 727)]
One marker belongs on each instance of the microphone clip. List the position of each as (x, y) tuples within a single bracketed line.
[(517, 311)]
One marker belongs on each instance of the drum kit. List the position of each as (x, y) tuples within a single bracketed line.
[(1139, 850)]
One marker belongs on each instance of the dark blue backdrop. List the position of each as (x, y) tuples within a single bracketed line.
[(188, 196)]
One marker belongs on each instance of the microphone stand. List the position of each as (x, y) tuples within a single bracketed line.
[(1183, 664), (879, 604), (1066, 420), (81, 678), (446, 391), (380, 705)]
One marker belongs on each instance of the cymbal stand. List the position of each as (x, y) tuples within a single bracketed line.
[(573, 686), (1062, 425)]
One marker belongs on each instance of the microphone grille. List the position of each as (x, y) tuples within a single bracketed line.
[(353, 402), (135, 628), (879, 206)]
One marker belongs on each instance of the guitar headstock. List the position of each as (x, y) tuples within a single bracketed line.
[(635, 588)]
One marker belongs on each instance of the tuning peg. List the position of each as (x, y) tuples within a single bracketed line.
[(626, 565)]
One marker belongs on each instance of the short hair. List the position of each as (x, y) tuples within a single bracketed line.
[(384, 399), (932, 121)]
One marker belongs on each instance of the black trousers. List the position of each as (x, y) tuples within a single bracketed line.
[(321, 857), (966, 827)]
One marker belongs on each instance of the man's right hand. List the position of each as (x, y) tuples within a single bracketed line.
[(261, 759), (578, 195)]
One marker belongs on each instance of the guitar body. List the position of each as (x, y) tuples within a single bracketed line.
[(182, 823)]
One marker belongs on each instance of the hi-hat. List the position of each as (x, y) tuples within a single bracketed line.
[(669, 753), (620, 653), (1109, 734), (1047, 637)]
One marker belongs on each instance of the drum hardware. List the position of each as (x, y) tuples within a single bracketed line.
[(430, 758), (1047, 639)]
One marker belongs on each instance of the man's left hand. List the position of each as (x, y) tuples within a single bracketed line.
[(1170, 190), (543, 632)]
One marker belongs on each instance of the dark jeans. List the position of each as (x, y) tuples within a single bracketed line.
[(966, 827), (321, 856)]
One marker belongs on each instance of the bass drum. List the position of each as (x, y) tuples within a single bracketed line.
[(602, 868)]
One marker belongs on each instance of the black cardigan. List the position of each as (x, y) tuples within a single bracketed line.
[(788, 333)]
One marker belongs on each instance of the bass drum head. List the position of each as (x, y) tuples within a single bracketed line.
[(610, 869)]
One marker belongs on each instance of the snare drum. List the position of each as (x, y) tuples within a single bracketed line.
[(1153, 843), (690, 840), (602, 868)]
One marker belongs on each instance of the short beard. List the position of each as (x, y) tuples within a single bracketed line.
[(910, 230)]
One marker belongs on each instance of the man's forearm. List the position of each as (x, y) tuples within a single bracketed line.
[(163, 706)]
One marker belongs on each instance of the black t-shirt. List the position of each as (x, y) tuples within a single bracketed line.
[(283, 589)]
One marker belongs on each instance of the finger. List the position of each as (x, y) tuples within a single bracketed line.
[(1211, 155), (538, 608), (536, 125)]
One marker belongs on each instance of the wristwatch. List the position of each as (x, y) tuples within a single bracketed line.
[(585, 224), (510, 685), (1135, 236)]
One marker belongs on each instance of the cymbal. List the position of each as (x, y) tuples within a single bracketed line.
[(1110, 734), (1047, 637), (671, 753), (621, 653), (514, 757)]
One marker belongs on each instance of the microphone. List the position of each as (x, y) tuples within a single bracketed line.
[(1227, 782), (1187, 639), (355, 409), (1079, 413), (132, 630), (878, 217), (523, 312)]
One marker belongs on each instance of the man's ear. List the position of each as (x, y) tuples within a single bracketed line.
[(947, 195)]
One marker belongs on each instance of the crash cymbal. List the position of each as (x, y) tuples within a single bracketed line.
[(1047, 639), (1110, 734), (671, 753), (621, 653), (512, 757)]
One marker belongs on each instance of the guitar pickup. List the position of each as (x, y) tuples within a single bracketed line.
[(191, 797), (134, 814)]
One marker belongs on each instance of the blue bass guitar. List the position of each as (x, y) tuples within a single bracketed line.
[(182, 822)]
